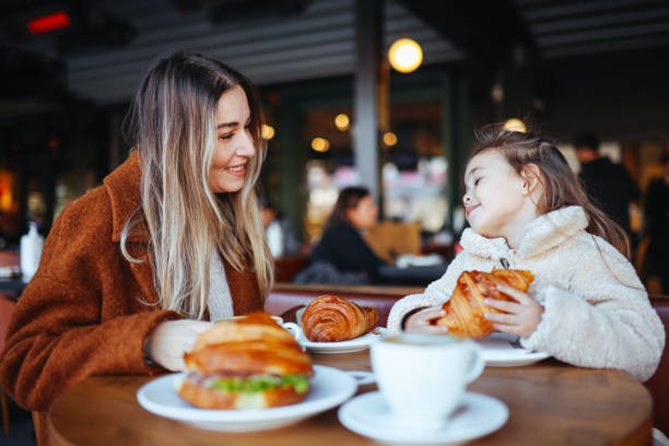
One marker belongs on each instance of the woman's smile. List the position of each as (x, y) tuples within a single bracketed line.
[(237, 170)]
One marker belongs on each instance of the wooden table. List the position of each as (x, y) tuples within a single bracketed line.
[(550, 403)]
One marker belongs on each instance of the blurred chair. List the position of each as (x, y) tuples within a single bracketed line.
[(7, 307), (390, 239), (286, 267)]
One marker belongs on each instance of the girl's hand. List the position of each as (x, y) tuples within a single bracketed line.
[(168, 342), (522, 316), (420, 321)]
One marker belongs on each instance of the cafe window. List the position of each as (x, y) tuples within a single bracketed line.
[(414, 168)]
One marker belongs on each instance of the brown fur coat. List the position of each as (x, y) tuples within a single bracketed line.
[(83, 314)]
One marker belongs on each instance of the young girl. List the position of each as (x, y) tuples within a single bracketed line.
[(527, 210), (133, 270)]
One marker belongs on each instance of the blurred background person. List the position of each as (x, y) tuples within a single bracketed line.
[(656, 213), (342, 255), (281, 237), (608, 185)]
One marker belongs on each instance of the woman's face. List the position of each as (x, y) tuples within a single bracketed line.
[(364, 215), (234, 146), (494, 195)]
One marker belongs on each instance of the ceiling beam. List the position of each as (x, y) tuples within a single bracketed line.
[(487, 30)]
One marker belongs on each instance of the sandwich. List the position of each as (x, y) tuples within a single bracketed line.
[(248, 363)]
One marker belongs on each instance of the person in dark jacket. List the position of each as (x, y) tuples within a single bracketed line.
[(656, 212), (608, 185), (342, 245)]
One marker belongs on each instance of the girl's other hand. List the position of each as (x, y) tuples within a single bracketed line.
[(168, 342), (419, 322), (520, 317)]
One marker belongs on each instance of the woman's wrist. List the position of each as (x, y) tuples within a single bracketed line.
[(147, 351)]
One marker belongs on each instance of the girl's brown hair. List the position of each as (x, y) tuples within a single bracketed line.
[(560, 183)]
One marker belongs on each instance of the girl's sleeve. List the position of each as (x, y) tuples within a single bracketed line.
[(61, 333), (435, 294), (604, 319)]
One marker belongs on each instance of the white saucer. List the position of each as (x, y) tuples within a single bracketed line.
[(369, 415), (352, 345), (503, 350), (329, 388)]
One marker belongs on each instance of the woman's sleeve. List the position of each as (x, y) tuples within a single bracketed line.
[(435, 294), (61, 333), (603, 320)]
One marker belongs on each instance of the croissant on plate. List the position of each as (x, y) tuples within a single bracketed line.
[(465, 310), (333, 319)]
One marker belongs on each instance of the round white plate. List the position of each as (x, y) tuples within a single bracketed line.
[(503, 350), (329, 388), (369, 415), (352, 345)]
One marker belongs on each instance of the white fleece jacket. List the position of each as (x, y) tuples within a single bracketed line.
[(597, 312)]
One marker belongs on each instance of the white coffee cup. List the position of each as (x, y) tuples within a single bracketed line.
[(294, 329), (422, 377)]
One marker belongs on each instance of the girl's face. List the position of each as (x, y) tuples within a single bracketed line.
[(364, 215), (234, 146), (495, 195)]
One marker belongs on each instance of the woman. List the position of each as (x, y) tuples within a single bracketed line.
[(132, 270), (342, 246)]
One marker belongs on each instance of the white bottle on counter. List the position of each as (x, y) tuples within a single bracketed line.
[(31, 250)]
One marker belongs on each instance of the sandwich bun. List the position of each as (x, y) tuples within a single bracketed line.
[(248, 363)]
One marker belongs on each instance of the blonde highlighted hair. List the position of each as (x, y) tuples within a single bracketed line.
[(172, 125), (560, 183)]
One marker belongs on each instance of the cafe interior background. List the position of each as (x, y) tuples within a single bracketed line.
[(69, 69)]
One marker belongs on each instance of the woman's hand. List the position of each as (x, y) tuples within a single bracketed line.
[(520, 318), (420, 321), (168, 342)]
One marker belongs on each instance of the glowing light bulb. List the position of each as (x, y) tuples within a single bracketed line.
[(515, 125), (267, 131), (389, 139), (405, 55), (342, 122), (320, 144)]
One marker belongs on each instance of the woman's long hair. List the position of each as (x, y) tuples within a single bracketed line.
[(560, 183), (172, 124), (349, 198)]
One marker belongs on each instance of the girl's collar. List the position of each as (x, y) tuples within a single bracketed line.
[(544, 233)]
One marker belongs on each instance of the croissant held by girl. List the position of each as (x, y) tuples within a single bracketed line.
[(466, 309), (527, 211)]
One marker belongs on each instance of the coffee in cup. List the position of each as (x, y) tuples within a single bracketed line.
[(422, 377)]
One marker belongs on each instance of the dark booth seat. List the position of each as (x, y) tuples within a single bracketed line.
[(658, 385)]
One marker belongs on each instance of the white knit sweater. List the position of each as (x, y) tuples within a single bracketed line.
[(597, 312)]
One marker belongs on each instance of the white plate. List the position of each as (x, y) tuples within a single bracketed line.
[(502, 350), (329, 388), (352, 345), (369, 415)]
